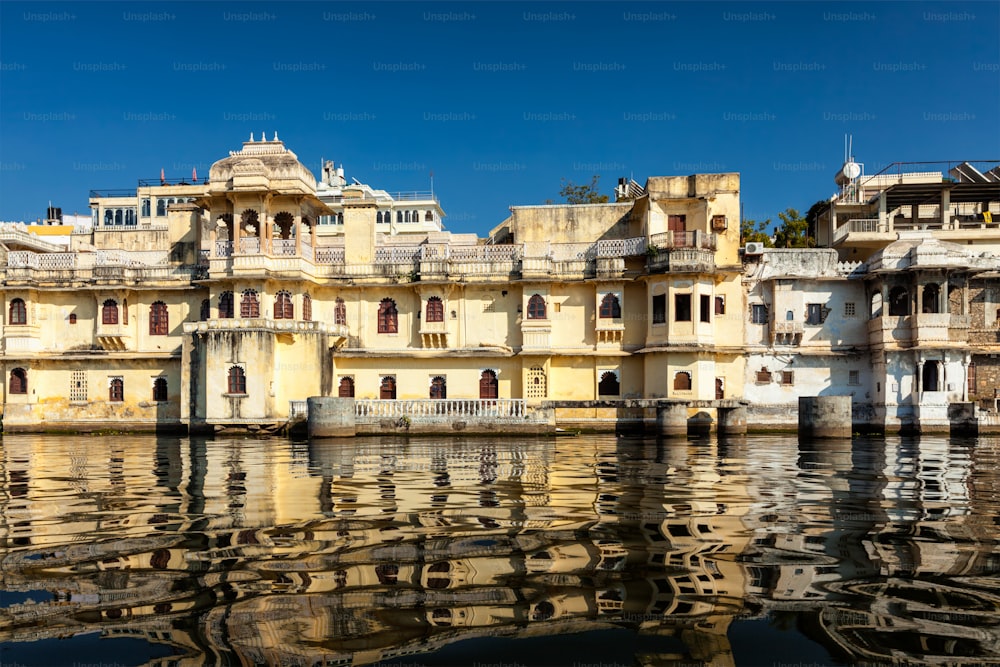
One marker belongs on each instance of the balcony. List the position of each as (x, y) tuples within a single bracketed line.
[(786, 333), (930, 328), (21, 339), (434, 335), (113, 337), (890, 330), (536, 336), (610, 333), (102, 267), (681, 252)]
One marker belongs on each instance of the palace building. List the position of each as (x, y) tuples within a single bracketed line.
[(229, 302)]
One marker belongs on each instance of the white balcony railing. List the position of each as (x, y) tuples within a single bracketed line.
[(509, 409)]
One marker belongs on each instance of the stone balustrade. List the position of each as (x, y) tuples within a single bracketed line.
[(499, 410)]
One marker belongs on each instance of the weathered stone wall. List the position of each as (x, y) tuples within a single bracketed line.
[(987, 376)]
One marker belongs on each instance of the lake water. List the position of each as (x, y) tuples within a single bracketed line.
[(593, 550)]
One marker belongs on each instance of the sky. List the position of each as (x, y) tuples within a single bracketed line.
[(497, 102)]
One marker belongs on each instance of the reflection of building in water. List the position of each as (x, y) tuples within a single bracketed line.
[(367, 550), (893, 555)]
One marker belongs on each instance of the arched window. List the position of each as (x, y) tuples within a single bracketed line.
[(226, 305), (124, 311), (249, 304), (435, 310), (283, 308), (378, 217), (399, 216), (608, 386), (283, 223), (489, 386), (206, 310), (611, 308), (930, 298), (387, 389), (237, 380), (388, 318), (116, 390), (18, 381), (159, 322), (307, 308), (248, 222), (109, 217), (429, 217), (161, 207), (346, 388), (536, 307), (720, 389), (439, 387), (118, 216), (340, 312), (406, 216), (682, 381), (899, 302), (875, 306), (160, 389), (17, 313)]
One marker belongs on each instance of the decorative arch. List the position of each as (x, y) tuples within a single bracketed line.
[(536, 307), (682, 381), (18, 381), (489, 384), (609, 384), (899, 301), (340, 312), (17, 313), (439, 387), (226, 305), (249, 304), (284, 309), (109, 312), (388, 317), (435, 310), (611, 307)]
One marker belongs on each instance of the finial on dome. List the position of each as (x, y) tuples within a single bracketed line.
[(262, 137), (251, 137), (275, 135)]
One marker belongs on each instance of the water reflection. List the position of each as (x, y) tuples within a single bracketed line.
[(255, 552)]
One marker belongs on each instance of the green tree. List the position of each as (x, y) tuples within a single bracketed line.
[(582, 194), (793, 231), (752, 231)]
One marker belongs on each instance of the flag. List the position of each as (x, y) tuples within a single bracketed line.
[(163, 177), (194, 174)]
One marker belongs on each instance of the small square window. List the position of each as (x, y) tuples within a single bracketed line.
[(850, 310), (787, 377), (758, 313), (854, 377), (763, 376)]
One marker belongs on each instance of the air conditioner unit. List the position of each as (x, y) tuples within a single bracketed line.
[(754, 249)]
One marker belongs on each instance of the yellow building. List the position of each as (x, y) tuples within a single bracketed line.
[(229, 302)]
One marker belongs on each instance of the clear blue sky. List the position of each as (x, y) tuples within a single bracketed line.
[(500, 100)]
